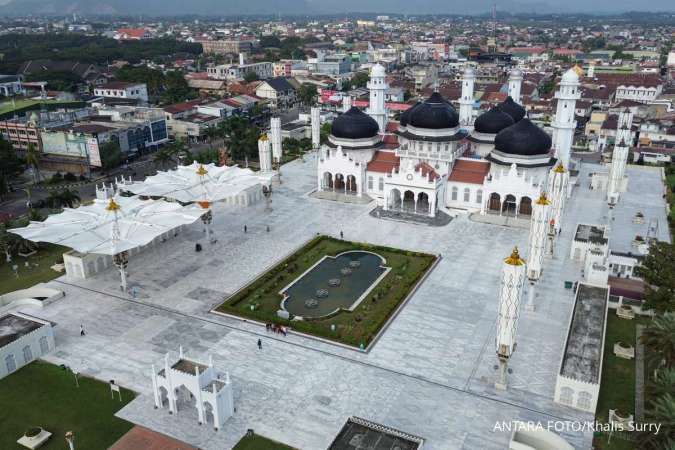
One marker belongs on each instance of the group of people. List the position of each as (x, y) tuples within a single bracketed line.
[(274, 328)]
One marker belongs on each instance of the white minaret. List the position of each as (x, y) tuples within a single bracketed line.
[(275, 131), (617, 171), (564, 124), (539, 225), (558, 181), (346, 103), (315, 117), (265, 154), (515, 83), (591, 70), (510, 293), (378, 89), (466, 101)]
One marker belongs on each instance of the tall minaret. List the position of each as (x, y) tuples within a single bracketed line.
[(564, 124), (558, 181), (515, 82), (510, 293), (378, 89), (275, 131), (265, 154), (346, 103), (315, 118), (622, 143), (539, 226), (466, 101)]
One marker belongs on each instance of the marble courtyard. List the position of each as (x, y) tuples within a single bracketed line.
[(430, 374)]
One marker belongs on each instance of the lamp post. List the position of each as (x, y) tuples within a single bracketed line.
[(267, 192), (70, 439)]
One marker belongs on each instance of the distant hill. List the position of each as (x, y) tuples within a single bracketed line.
[(273, 7)]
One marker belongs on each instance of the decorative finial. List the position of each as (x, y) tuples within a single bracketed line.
[(263, 137), (543, 200), (201, 171), (515, 259), (112, 206), (559, 168)]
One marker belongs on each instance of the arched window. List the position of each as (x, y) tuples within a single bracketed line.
[(370, 183), (27, 354), (454, 193), (479, 196), (10, 363), (584, 400), (380, 184), (566, 395), (44, 345), (467, 195)]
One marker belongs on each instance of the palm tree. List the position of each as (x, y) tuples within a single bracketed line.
[(212, 133), (69, 198), (33, 160), (661, 411), (162, 158), (5, 243), (663, 383), (659, 337)]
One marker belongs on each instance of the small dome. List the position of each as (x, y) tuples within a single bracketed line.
[(354, 124), (513, 109), (493, 121), (377, 71), (570, 76), (469, 72), (434, 113), (523, 138), (516, 73)]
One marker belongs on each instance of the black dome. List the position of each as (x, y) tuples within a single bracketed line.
[(523, 138), (405, 116), (354, 124), (513, 109), (493, 121), (434, 113)]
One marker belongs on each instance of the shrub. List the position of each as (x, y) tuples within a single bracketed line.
[(69, 177), (56, 178), (33, 431)]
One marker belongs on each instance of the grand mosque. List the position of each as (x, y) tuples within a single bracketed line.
[(436, 157)]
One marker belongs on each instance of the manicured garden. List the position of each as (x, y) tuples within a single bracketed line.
[(44, 395), (38, 269), (260, 300), (256, 442)]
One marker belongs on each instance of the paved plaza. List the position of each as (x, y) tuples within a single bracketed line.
[(430, 374)]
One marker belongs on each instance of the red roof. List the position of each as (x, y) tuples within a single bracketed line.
[(383, 162), (466, 171), (495, 97), (139, 437), (181, 107), (132, 33), (427, 171), (391, 127), (394, 106), (626, 287), (390, 141)]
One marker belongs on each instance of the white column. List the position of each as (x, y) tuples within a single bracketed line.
[(378, 89), (537, 237), (558, 180), (466, 101), (198, 398), (346, 103), (265, 154), (513, 276), (617, 170), (315, 118), (515, 83), (564, 124), (155, 389), (275, 132)]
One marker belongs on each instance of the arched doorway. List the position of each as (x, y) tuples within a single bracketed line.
[(495, 202), (525, 206), (409, 201), (327, 181), (163, 395), (339, 182), (509, 206), (394, 200), (423, 203), (184, 398), (208, 413), (351, 184)]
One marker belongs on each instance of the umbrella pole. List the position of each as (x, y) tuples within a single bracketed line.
[(121, 261)]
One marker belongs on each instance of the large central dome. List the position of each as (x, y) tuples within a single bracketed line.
[(354, 124), (434, 113), (523, 138)]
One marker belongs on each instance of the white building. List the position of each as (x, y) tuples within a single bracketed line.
[(23, 339), (123, 90), (262, 70)]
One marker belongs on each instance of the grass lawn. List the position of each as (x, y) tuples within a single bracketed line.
[(39, 270), (45, 395), (352, 327), (617, 389), (256, 442), (23, 103)]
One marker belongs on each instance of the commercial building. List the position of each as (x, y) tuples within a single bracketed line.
[(123, 90)]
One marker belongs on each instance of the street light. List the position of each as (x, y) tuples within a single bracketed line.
[(70, 439)]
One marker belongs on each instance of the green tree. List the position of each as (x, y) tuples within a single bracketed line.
[(325, 132), (359, 80), (240, 137), (307, 94), (111, 155), (11, 165), (659, 338), (658, 271), (176, 88), (33, 161), (661, 410), (250, 77), (663, 382)]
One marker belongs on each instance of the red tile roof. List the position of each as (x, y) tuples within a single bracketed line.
[(390, 141), (143, 438), (391, 127), (466, 171), (383, 162)]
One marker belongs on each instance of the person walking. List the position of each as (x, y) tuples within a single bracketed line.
[(268, 228), (259, 344), (342, 235), (245, 229), (82, 333)]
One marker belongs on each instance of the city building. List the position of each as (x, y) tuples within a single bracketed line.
[(123, 91)]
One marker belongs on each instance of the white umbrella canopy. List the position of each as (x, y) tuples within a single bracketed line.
[(112, 226), (198, 183)]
